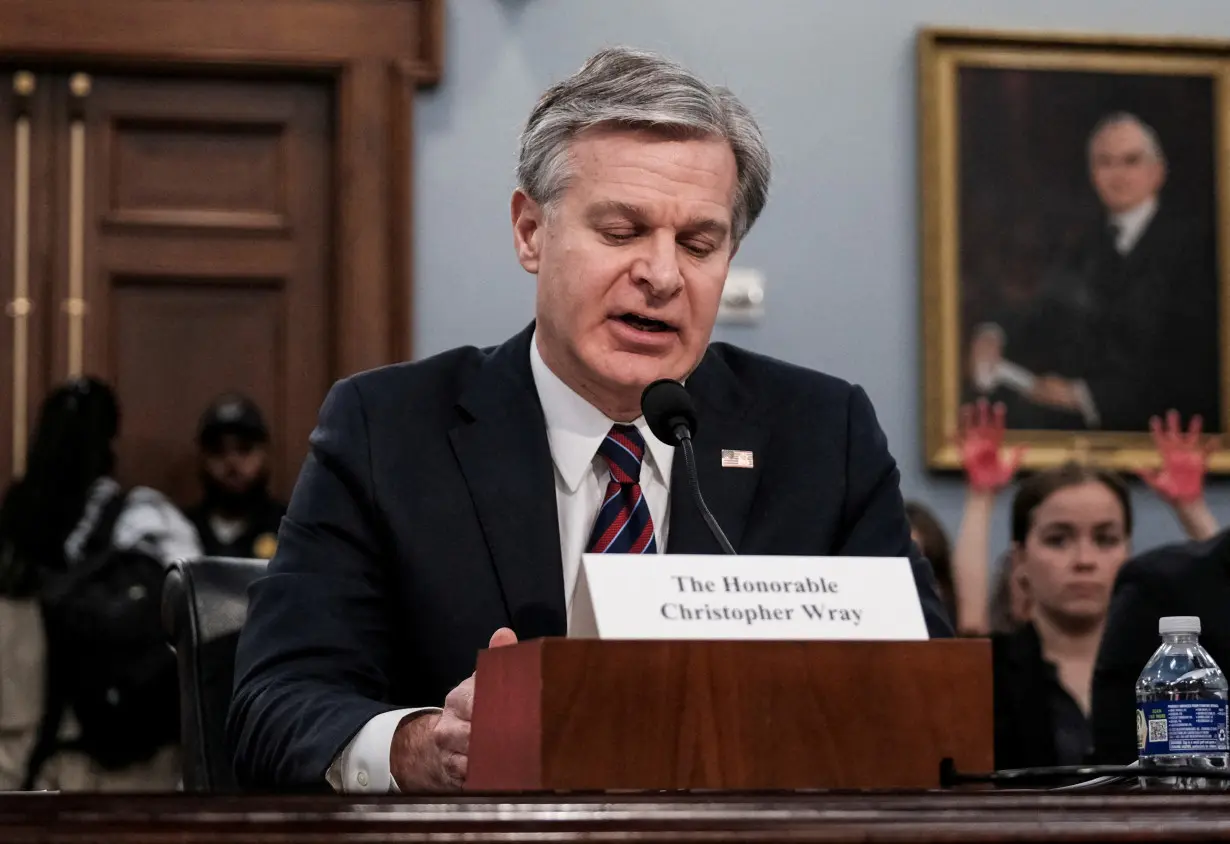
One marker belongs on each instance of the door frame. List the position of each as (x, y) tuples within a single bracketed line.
[(376, 52)]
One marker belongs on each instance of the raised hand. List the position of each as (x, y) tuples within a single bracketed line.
[(1185, 459), (980, 436)]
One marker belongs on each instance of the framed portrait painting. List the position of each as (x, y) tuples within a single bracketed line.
[(1074, 209)]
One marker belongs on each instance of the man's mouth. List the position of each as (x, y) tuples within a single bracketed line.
[(645, 323)]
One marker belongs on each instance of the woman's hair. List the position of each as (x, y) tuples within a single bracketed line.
[(71, 449), (1003, 617), (1036, 489), (935, 545)]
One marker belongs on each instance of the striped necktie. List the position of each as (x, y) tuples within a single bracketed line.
[(623, 525)]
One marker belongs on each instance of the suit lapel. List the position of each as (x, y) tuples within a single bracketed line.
[(501, 446), (724, 421)]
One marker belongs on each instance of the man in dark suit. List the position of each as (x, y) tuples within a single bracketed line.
[(1126, 326), (445, 504), (1192, 578)]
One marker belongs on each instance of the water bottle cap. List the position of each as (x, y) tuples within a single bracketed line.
[(1178, 624)]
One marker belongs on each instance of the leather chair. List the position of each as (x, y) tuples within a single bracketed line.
[(204, 604)]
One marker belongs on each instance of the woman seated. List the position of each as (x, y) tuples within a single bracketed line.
[(1070, 535)]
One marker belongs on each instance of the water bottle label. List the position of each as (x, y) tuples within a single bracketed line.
[(1168, 727)]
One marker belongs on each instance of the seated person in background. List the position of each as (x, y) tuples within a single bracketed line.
[(65, 510), (989, 469), (446, 501), (1010, 606), (1071, 531), (236, 516), (1191, 578), (928, 534)]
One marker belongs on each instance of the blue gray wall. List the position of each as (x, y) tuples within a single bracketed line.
[(833, 84)]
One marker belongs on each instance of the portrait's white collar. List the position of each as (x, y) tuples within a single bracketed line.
[(575, 428), (1132, 224)]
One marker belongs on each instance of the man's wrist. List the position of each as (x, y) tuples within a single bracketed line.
[(410, 756)]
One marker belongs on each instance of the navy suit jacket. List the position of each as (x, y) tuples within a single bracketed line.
[(424, 519)]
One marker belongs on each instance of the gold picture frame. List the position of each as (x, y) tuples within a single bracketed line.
[(948, 58)]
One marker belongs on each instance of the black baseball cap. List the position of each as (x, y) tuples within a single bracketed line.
[(232, 413)]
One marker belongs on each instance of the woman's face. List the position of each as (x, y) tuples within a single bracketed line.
[(1076, 543)]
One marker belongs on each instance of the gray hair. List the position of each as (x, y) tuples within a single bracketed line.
[(633, 89), (1118, 118)]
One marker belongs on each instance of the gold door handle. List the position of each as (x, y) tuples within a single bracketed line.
[(19, 307), (79, 86)]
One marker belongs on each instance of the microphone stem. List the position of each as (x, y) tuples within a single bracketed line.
[(689, 457)]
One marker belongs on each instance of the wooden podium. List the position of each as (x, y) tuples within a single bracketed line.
[(583, 714)]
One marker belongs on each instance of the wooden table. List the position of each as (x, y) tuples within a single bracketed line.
[(862, 817)]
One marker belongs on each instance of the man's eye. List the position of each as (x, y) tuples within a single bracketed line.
[(700, 250), (619, 237)]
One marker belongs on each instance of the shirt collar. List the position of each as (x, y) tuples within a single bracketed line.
[(1132, 223), (575, 428)]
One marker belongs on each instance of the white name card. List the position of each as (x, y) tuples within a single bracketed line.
[(685, 596)]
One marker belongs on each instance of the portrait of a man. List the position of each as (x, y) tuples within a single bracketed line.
[(1123, 325), (1074, 270)]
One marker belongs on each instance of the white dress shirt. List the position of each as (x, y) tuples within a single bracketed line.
[(575, 430), (1131, 225)]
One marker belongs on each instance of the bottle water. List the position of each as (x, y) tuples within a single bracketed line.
[(1181, 705)]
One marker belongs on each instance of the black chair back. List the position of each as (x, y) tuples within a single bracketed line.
[(204, 604)]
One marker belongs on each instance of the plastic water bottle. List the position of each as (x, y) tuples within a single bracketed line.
[(1181, 705)]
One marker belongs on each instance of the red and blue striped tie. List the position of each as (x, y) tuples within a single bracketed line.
[(624, 525)]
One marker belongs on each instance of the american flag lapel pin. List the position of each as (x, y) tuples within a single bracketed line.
[(733, 459)]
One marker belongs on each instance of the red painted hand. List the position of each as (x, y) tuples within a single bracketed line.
[(1185, 459), (981, 437)]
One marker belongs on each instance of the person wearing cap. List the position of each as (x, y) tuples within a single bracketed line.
[(237, 517), (1184, 579)]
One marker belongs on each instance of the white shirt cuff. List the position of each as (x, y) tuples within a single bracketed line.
[(1088, 408), (363, 765)]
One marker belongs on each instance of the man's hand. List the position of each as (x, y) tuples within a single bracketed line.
[(431, 752), (986, 353), (1056, 392)]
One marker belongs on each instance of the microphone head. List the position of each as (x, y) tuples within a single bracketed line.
[(665, 404)]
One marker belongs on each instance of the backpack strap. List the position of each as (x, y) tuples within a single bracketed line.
[(99, 539), (55, 696)]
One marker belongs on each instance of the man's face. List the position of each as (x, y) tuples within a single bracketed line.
[(630, 261), (235, 464), (1124, 170)]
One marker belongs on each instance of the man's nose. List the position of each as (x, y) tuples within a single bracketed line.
[(658, 266)]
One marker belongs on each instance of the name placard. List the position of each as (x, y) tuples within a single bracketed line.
[(684, 596)]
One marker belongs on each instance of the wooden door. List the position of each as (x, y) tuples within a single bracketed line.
[(193, 257), (25, 209)]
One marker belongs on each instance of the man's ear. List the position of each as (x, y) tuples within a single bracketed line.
[(528, 219), (1163, 172)]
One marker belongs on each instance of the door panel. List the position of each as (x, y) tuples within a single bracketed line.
[(203, 175), (25, 189), (206, 259), (152, 313)]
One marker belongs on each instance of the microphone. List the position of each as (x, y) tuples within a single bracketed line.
[(670, 414)]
